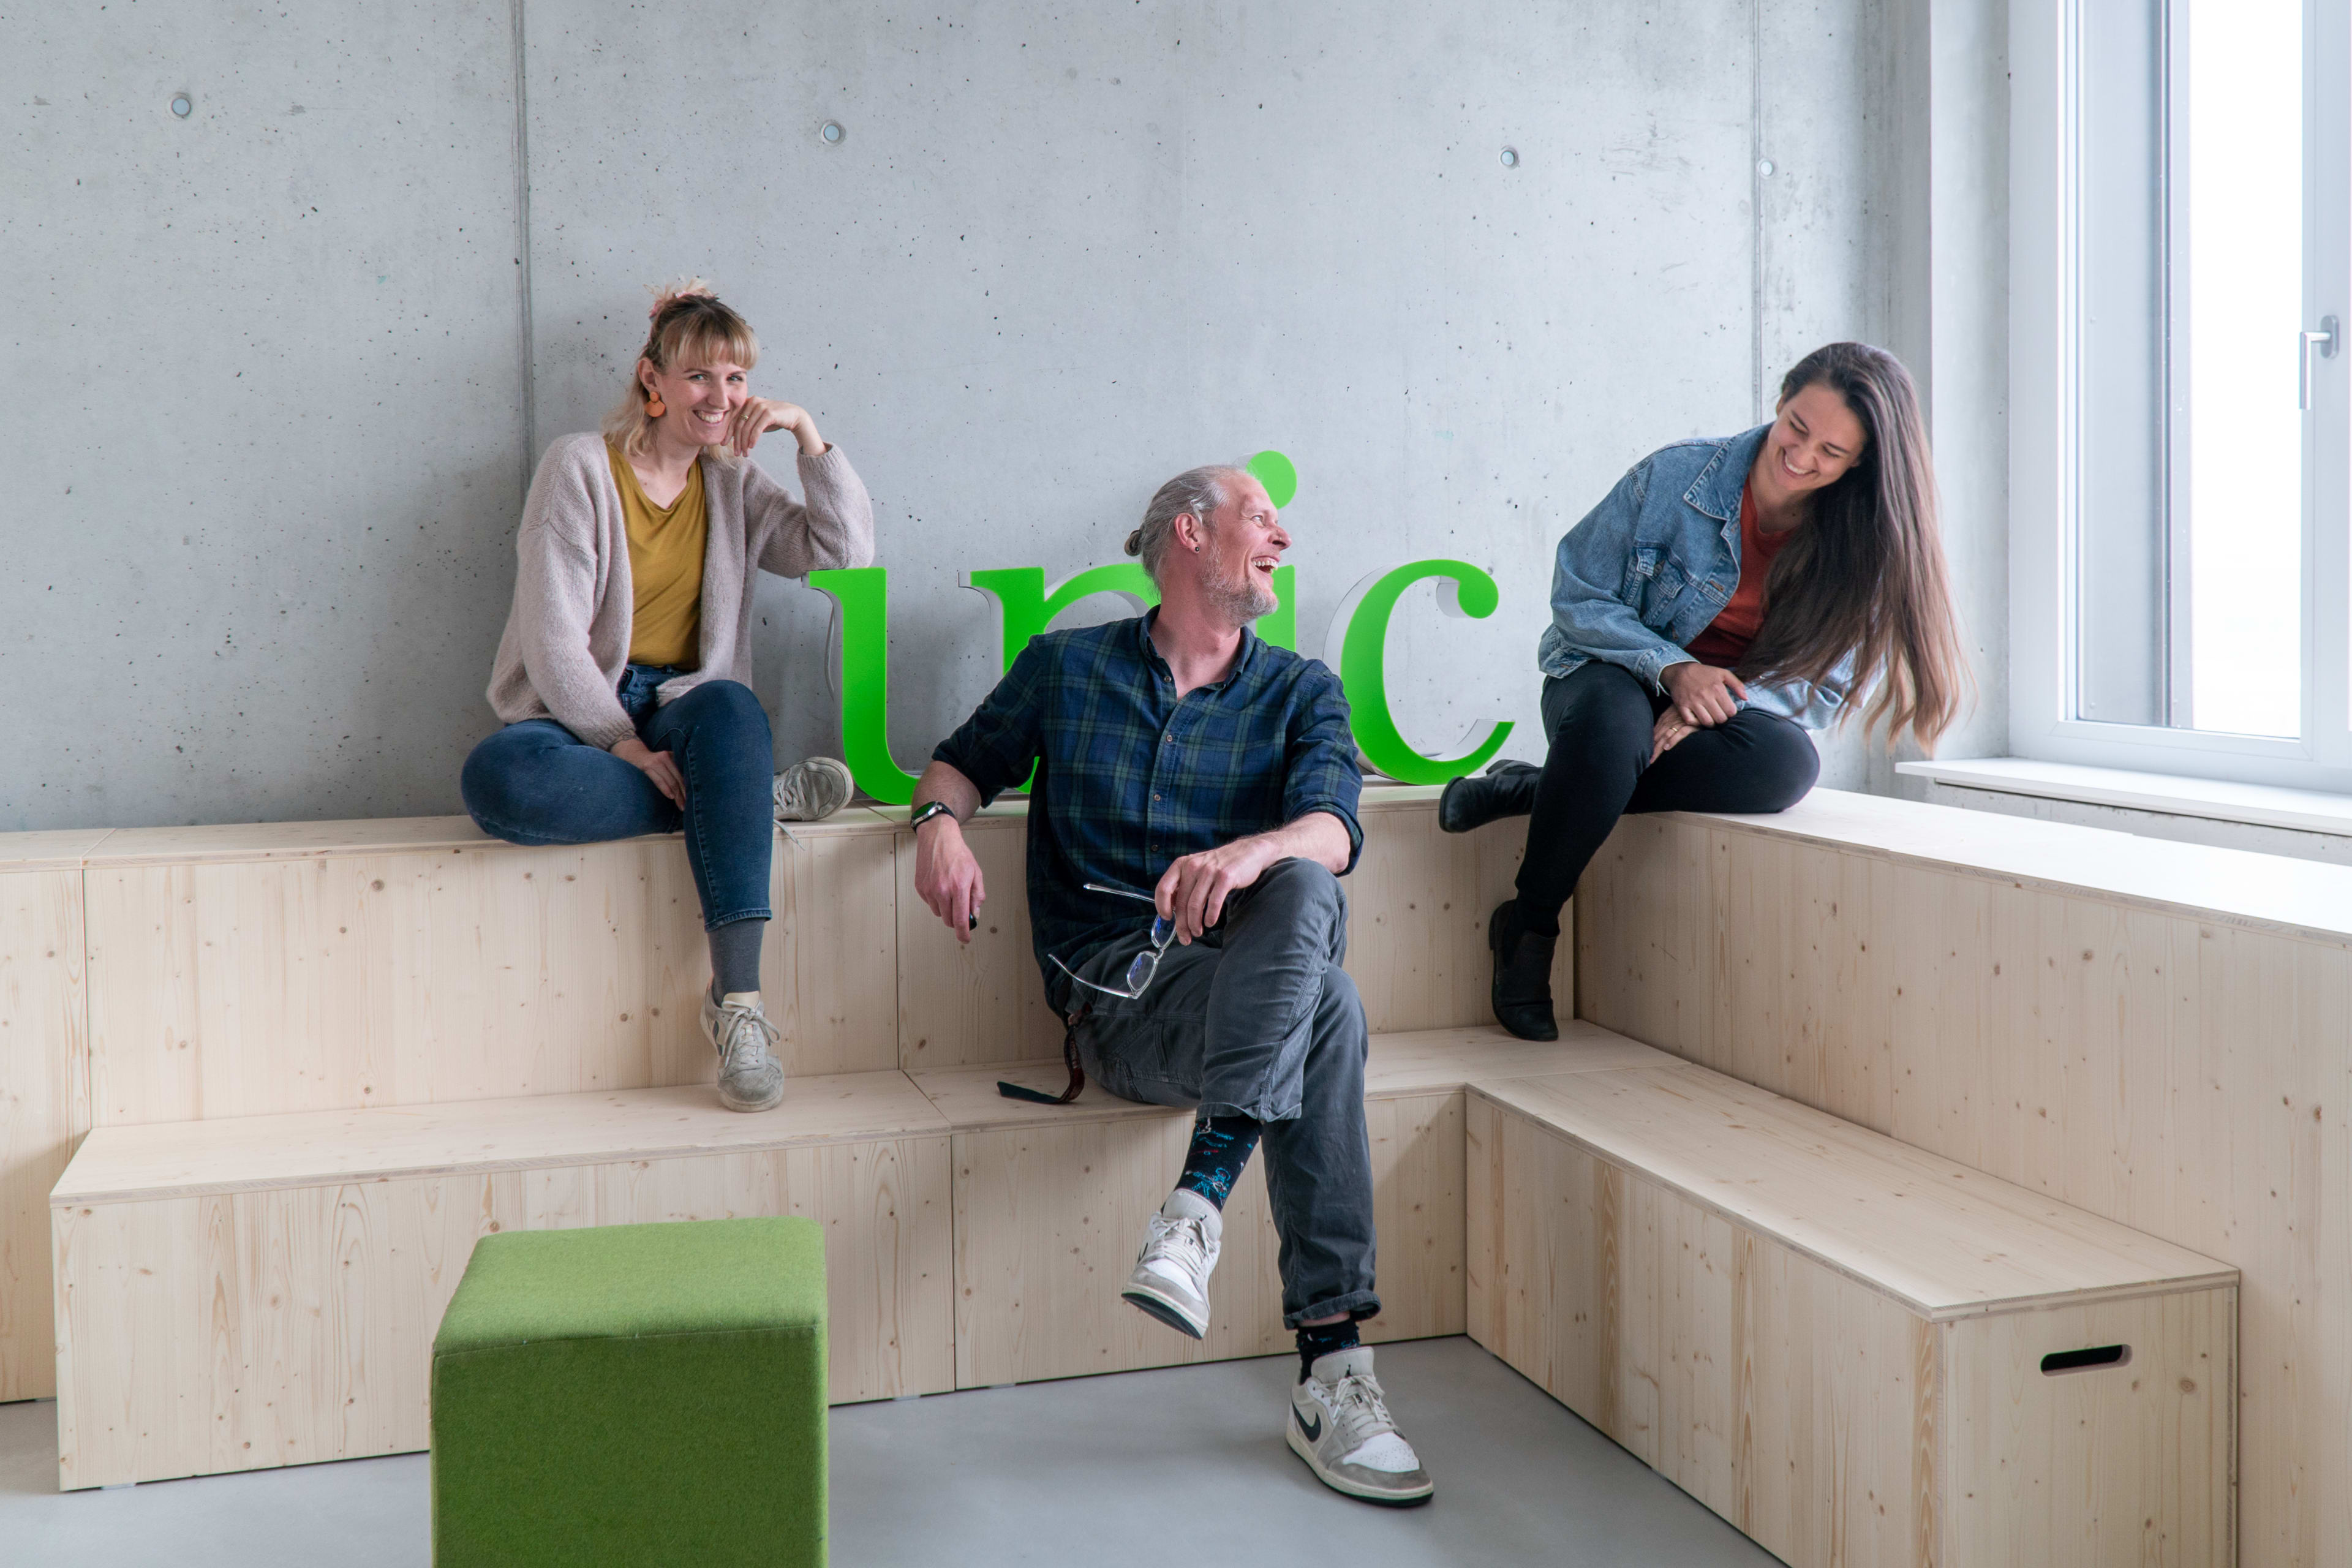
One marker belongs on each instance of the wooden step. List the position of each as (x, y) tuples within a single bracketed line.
[(2153, 1032), (281, 967), (440, 962), (179, 975), (1836, 1342), (44, 1092), (1050, 1200), (319, 1148), (243, 1292)]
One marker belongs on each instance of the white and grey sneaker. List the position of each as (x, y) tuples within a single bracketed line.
[(1340, 1425), (750, 1076), (1180, 1252), (813, 790)]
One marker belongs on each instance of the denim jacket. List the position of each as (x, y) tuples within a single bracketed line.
[(1654, 563)]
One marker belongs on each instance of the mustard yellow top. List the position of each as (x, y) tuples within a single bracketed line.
[(666, 550)]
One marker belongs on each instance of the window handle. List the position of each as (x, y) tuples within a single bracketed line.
[(2326, 340)]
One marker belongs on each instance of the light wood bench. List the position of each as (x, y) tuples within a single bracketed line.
[(168, 974), (264, 1290), (1050, 1202), (243, 1292), (2152, 1031), (43, 1095), (1852, 1351)]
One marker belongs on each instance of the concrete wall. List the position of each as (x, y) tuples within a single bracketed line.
[(280, 368)]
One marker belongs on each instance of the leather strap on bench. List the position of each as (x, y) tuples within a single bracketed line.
[(1069, 1060)]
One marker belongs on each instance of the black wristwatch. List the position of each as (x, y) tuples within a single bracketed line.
[(929, 810)]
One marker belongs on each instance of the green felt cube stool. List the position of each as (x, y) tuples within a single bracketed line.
[(633, 1393)]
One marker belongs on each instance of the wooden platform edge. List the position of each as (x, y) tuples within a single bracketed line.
[(101, 1142), (2220, 1276), (2288, 902)]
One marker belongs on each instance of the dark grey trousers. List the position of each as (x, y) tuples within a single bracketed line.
[(1258, 1019)]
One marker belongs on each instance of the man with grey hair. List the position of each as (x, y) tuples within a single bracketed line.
[(1194, 808)]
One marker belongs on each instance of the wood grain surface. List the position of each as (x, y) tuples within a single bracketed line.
[(1049, 1219), (253, 1328), (315, 1148), (2186, 1074), (43, 1104), (1943, 1239), (1819, 1411)]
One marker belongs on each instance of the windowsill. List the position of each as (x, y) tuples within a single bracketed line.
[(2307, 811)]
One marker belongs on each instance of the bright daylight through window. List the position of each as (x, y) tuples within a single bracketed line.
[(2188, 557)]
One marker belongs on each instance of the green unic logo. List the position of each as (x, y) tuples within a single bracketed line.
[(1356, 645)]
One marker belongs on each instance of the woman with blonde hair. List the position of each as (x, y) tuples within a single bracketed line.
[(1726, 597), (623, 677)]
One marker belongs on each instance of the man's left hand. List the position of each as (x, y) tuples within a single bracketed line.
[(1194, 889)]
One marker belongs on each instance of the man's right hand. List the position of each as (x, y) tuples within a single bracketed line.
[(946, 877)]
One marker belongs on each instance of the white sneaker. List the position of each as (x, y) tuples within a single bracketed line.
[(813, 790), (750, 1076), (1340, 1425), (1180, 1252)]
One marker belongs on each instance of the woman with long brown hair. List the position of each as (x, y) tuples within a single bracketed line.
[(1725, 598)]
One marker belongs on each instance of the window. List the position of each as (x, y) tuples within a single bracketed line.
[(2180, 591)]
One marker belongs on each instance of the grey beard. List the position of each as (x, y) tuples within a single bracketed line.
[(1240, 600)]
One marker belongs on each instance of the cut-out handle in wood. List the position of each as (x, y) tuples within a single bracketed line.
[(2088, 1360)]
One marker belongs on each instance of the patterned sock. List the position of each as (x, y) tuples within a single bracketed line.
[(1221, 1147), (1321, 1339), (735, 957)]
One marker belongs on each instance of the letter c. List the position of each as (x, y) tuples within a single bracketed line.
[(1358, 652)]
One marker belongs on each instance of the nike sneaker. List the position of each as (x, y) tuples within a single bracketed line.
[(1340, 1425), (1180, 1252)]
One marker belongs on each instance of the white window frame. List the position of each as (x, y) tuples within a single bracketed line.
[(2043, 470)]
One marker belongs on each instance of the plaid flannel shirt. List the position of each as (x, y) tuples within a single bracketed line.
[(1130, 779)]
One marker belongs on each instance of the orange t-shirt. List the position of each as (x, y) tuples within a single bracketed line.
[(1724, 641)]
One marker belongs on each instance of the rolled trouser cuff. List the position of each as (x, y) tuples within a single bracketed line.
[(1357, 1304)]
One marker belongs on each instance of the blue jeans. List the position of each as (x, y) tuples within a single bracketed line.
[(1258, 1019), (537, 783)]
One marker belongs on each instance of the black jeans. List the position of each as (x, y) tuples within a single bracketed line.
[(1599, 719), (1258, 1019)]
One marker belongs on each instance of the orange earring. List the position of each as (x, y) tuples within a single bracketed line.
[(654, 406)]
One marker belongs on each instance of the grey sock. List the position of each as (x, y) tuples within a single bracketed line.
[(735, 956)]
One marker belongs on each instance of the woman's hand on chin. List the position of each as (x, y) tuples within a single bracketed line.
[(759, 416)]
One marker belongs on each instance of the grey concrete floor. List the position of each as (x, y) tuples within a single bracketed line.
[(1180, 1466)]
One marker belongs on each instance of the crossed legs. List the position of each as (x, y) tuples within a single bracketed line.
[(1259, 1021), (1258, 1026)]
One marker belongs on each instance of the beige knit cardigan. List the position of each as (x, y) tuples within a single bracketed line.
[(567, 637)]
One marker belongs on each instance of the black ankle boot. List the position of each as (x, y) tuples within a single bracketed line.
[(1522, 989), (1508, 789)]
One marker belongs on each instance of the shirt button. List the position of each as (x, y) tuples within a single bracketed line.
[(1155, 797)]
